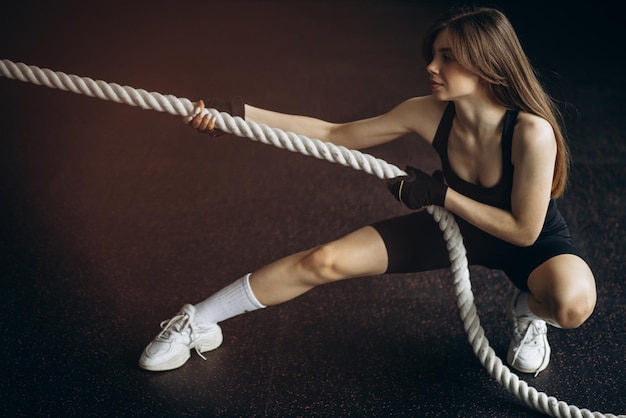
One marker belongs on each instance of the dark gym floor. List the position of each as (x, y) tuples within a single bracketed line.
[(112, 217)]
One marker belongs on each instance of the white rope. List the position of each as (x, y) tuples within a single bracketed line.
[(184, 107), (336, 154)]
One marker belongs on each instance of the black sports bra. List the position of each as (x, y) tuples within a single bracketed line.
[(498, 195)]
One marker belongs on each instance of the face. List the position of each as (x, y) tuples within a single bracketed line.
[(448, 79)]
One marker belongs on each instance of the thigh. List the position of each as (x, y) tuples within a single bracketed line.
[(522, 262), (562, 276), (413, 243)]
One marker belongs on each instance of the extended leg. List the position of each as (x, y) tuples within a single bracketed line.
[(360, 253)]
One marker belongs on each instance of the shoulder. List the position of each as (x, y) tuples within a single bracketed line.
[(426, 105), (532, 129), (421, 115), (533, 135)]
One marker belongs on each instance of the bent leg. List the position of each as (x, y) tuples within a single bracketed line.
[(563, 291), (360, 253)]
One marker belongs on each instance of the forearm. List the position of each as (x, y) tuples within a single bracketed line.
[(358, 134), (302, 125), (495, 221)]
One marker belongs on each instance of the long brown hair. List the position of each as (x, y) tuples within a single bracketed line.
[(484, 41)]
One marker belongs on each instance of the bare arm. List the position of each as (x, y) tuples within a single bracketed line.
[(534, 154), (418, 115)]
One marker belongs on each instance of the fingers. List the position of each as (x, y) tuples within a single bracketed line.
[(199, 121), (205, 123), (199, 108)]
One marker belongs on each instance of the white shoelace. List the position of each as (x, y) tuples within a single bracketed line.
[(534, 331), (178, 323)]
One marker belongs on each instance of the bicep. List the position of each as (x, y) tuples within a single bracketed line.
[(366, 133), (418, 115), (534, 155)]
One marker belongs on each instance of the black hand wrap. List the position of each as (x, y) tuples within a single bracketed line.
[(418, 189)]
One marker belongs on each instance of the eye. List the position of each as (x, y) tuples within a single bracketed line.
[(447, 58)]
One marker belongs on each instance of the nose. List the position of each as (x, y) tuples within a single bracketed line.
[(431, 68)]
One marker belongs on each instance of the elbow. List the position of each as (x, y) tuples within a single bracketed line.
[(526, 237), (524, 242)]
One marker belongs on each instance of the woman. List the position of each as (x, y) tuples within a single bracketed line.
[(504, 161)]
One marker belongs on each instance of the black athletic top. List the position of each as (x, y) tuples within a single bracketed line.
[(411, 239), (500, 194)]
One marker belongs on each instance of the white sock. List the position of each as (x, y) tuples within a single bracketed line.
[(235, 299), (521, 306)]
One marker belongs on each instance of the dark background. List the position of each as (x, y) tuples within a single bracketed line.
[(112, 217)]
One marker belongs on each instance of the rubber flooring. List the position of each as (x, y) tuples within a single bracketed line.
[(113, 217)]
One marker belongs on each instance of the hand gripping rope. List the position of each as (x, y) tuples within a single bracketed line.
[(336, 154)]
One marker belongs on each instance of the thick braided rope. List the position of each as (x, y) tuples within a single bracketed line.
[(337, 154), (476, 334), (184, 107)]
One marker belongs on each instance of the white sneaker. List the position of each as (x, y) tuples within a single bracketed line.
[(529, 351), (170, 349)]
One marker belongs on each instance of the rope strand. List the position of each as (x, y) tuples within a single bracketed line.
[(336, 154)]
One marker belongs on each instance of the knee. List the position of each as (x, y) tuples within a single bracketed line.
[(574, 308), (565, 290), (321, 265)]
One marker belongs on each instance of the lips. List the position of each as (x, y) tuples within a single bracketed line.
[(434, 85)]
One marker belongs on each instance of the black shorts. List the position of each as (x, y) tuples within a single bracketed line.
[(415, 243)]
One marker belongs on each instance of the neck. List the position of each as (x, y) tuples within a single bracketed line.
[(480, 117)]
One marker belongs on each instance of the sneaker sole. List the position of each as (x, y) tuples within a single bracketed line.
[(207, 344), (544, 365), (211, 343)]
